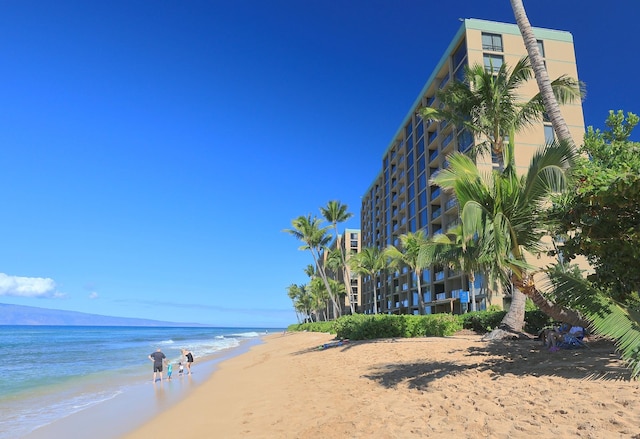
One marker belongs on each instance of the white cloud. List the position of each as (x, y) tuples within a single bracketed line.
[(20, 286), (93, 295)]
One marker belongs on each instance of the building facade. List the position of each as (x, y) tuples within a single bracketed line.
[(349, 243), (401, 200)]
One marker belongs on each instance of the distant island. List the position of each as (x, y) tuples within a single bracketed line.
[(31, 315)]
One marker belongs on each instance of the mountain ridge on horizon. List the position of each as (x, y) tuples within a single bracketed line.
[(14, 315)]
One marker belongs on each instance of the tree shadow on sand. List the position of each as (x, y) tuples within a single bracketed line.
[(516, 358)]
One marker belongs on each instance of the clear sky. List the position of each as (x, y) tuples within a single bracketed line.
[(153, 151)]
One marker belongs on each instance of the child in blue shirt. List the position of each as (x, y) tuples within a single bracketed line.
[(169, 370)]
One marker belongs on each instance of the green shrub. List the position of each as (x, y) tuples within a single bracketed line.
[(369, 326), (314, 327), (482, 321), (535, 320)]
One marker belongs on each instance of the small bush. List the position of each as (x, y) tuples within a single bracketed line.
[(535, 320), (482, 321), (314, 327)]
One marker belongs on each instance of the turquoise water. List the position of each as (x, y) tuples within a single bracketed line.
[(49, 372)]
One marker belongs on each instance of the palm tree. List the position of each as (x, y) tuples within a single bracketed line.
[(369, 262), (336, 212), (542, 77), (319, 297), (294, 292), (488, 105), (315, 238), (506, 211), (409, 255), (460, 252)]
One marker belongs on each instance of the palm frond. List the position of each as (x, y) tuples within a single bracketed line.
[(608, 318)]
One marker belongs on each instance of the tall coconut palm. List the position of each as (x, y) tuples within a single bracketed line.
[(506, 209), (369, 262), (489, 106), (308, 229), (409, 255), (542, 77), (336, 213)]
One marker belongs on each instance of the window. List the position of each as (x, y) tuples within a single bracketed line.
[(492, 42), (541, 47), (492, 63), (549, 135), (460, 55)]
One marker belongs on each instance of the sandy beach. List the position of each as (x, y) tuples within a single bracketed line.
[(457, 386)]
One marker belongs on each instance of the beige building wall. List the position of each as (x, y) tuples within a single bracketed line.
[(400, 198)]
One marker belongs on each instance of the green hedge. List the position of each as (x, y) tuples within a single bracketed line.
[(369, 326)]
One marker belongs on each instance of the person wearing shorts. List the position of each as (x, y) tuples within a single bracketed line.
[(158, 359), (189, 357)]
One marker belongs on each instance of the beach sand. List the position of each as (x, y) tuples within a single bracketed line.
[(456, 386)]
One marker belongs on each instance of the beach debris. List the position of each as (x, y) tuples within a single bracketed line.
[(333, 344)]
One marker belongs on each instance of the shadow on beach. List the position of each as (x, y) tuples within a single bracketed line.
[(520, 358), (517, 358)]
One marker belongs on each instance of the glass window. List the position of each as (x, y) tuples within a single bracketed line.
[(422, 182), (421, 164), (460, 54), (420, 146), (549, 135), (422, 199), (541, 47), (465, 140), (492, 63), (409, 129), (492, 42)]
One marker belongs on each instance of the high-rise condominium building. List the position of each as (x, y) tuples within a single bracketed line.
[(401, 199), (349, 244)]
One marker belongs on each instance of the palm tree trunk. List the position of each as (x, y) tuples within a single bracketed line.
[(542, 77), (556, 312), (420, 298), (375, 298), (472, 279), (337, 310), (514, 319)]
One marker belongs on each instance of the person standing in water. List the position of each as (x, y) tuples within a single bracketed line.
[(169, 370), (158, 359), (189, 357)]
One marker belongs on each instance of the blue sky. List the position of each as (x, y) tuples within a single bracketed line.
[(152, 152)]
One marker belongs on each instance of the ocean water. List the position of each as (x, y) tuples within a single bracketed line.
[(50, 372)]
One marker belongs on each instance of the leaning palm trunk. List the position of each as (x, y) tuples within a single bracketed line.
[(555, 311), (540, 72)]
